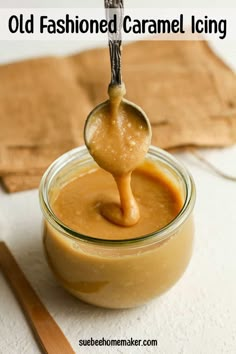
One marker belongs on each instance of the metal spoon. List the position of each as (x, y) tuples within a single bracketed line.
[(114, 40)]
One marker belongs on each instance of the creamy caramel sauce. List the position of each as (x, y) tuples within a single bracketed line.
[(79, 203), (118, 142)]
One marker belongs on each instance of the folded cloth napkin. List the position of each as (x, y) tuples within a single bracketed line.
[(188, 93)]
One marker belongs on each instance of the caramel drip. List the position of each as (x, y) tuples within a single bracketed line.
[(118, 144)]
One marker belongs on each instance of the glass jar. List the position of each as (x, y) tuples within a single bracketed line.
[(116, 273)]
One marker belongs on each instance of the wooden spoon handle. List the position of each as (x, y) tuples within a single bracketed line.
[(46, 331)]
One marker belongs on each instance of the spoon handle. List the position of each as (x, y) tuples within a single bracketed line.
[(114, 39)]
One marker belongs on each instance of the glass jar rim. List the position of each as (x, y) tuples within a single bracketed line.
[(156, 236)]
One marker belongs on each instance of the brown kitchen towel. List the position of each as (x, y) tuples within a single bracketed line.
[(188, 93)]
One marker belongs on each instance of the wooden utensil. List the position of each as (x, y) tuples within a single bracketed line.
[(47, 332)]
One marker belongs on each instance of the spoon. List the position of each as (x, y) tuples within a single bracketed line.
[(117, 132), (116, 90)]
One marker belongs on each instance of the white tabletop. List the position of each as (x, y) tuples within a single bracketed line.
[(197, 316)]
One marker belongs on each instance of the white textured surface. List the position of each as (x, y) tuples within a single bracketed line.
[(198, 316)]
